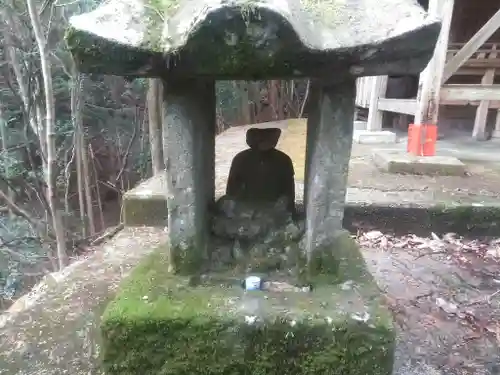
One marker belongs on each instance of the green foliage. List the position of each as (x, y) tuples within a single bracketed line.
[(228, 101), (143, 164), (10, 166), (20, 249)]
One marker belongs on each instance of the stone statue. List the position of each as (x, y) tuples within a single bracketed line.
[(262, 173), (260, 194)]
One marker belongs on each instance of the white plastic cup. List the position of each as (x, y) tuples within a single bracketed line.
[(252, 283)]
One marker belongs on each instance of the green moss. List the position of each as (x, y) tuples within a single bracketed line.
[(157, 12), (466, 218), (248, 43), (340, 261), (251, 43), (97, 55), (186, 259), (325, 11), (165, 7), (164, 324)]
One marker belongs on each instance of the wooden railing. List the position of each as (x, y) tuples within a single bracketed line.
[(483, 60), (486, 57), (363, 91)]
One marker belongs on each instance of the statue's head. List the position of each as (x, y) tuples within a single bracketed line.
[(263, 139)]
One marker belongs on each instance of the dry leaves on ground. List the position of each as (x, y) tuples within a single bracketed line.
[(478, 314), (449, 243)]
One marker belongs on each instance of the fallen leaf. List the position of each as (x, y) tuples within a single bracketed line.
[(373, 235), (447, 307)]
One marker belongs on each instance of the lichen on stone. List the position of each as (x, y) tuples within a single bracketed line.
[(295, 37)]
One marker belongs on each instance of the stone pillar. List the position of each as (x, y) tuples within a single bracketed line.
[(189, 151), (329, 141)]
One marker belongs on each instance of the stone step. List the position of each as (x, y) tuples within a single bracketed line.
[(370, 137), (146, 205)]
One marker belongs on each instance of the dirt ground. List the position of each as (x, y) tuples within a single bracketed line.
[(445, 297), (444, 291)]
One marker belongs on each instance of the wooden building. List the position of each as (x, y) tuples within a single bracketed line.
[(460, 87)]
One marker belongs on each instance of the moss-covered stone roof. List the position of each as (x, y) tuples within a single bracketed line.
[(253, 38)]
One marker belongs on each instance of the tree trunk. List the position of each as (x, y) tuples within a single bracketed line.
[(5, 145), (77, 125), (273, 98), (86, 183), (246, 116), (154, 98), (84, 157), (51, 169), (28, 103)]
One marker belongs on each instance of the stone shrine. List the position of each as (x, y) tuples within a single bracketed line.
[(318, 310)]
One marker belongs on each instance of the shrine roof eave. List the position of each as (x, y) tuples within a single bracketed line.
[(250, 39)]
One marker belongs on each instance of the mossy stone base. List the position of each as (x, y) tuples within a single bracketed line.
[(163, 324)]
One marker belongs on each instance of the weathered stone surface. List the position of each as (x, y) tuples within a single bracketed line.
[(329, 141), (248, 220), (254, 237), (189, 151), (400, 162), (339, 329), (146, 204), (253, 39)]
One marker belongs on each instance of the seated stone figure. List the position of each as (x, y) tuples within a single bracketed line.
[(260, 193), (262, 173)]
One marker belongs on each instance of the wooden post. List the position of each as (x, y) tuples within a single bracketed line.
[(482, 109), (431, 77), (378, 90), (496, 132)]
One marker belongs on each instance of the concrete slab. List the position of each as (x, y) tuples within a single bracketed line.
[(402, 162), (495, 134), (374, 137), (360, 125)]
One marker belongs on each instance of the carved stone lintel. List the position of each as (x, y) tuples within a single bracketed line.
[(329, 141), (189, 152)]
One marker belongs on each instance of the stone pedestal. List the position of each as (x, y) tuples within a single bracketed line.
[(211, 325), (329, 141), (374, 137), (360, 125), (189, 152), (401, 162)]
